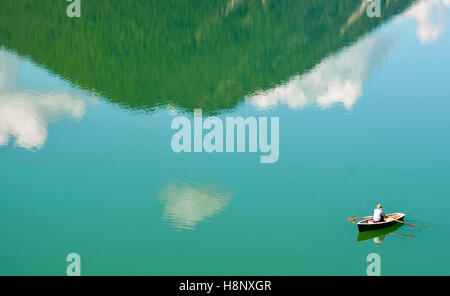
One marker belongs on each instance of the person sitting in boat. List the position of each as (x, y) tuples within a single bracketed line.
[(378, 214)]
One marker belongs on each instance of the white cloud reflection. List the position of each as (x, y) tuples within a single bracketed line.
[(185, 205), (26, 113), (431, 18), (337, 79)]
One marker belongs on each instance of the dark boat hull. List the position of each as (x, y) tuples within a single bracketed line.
[(366, 226)]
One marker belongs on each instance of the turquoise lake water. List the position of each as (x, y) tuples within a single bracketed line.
[(84, 172)]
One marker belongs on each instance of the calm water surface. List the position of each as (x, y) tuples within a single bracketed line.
[(86, 163)]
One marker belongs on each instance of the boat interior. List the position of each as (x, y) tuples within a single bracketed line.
[(388, 218)]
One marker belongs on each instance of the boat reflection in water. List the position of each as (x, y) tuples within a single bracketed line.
[(185, 205), (379, 235)]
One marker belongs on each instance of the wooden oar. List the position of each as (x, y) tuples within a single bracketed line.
[(409, 224), (358, 218)]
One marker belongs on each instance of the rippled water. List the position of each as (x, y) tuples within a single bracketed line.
[(87, 166)]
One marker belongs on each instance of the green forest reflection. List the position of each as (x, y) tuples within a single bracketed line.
[(145, 54)]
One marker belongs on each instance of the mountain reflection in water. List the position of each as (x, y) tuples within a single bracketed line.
[(188, 54)]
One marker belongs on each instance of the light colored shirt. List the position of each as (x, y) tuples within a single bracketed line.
[(378, 215)]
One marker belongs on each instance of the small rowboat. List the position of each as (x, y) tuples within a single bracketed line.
[(389, 220)]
